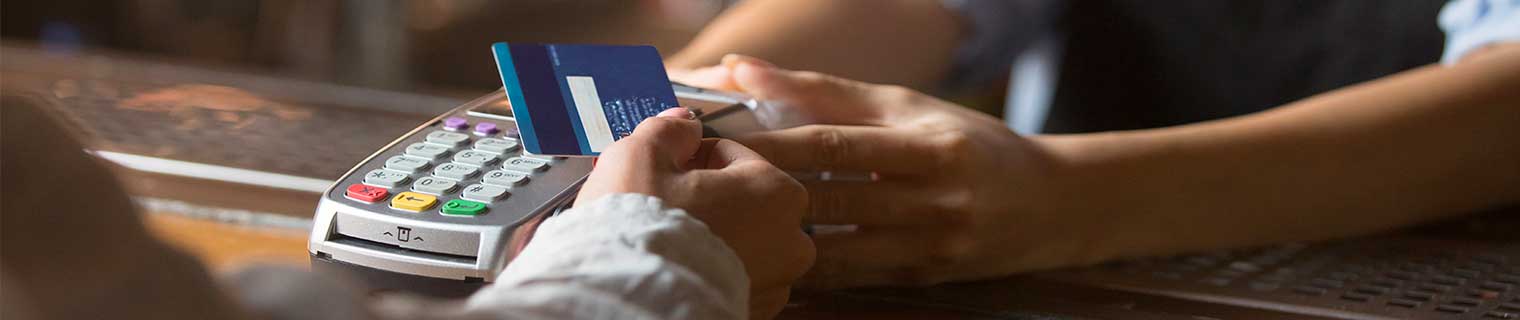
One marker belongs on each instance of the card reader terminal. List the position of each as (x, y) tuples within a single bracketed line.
[(443, 209)]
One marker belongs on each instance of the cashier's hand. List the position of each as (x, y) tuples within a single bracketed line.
[(951, 188), (753, 206)]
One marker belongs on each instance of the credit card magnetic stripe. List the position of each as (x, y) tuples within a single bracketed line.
[(529, 79)]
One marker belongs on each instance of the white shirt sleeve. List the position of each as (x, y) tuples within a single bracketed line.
[(1473, 24), (624, 256)]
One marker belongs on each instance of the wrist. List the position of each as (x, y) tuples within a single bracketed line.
[(1142, 189), (1090, 181)]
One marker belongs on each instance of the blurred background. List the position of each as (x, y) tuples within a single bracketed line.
[(406, 45)]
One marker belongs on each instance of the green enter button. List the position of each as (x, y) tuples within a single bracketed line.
[(463, 207)]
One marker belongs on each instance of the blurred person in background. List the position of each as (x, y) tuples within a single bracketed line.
[(1148, 128), (421, 46), (654, 234)]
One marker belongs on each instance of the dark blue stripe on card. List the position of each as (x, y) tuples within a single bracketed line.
[(545, 103)]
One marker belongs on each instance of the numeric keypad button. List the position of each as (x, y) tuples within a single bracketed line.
[(505, 178), (525, 164), (384, 178), (426, 151), (484, 192), (434, 185), (497, 146), (451, 139), (405, 164), (475, 158), (455, 171)]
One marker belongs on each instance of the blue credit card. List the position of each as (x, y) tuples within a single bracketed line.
[(574, 100)]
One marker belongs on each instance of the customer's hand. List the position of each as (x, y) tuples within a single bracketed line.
[(753, 206), (955, 194)]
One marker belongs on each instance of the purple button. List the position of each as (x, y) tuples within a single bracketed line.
[(455, 123), (485, 128)]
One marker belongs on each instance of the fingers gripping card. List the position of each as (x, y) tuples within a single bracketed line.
[(574, 100)]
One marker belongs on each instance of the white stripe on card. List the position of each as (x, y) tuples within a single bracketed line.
[(589, 105)]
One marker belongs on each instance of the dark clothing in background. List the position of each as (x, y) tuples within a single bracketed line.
[(1132, 64)]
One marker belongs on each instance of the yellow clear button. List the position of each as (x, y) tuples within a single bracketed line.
[(412, 201)]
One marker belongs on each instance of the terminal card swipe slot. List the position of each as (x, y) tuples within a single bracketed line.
[(424, 239)]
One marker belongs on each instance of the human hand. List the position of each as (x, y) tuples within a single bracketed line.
[(954, 194), (753, 206), (712, 77)]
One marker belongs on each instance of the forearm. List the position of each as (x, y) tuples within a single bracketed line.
[(906, 42), (1413, 147)]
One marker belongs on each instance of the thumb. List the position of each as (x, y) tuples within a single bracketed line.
[(675, 132), (818, 97)]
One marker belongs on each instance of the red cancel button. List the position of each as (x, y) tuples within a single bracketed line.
[(361, 192)]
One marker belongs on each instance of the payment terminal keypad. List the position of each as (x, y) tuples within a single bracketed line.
[(459, 168), (450, 172)]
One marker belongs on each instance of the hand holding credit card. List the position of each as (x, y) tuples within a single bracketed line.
[(574, 100)]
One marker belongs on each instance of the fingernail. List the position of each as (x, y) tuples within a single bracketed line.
[(677, 112), (733, 60)]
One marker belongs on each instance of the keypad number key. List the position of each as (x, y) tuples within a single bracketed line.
[(455, 171), (384, 178), (484, 192), (451, 139), (505, 178), (405, 164), (434, 185), (525, 164), (497, 146), (426, 151), (475, 158)]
